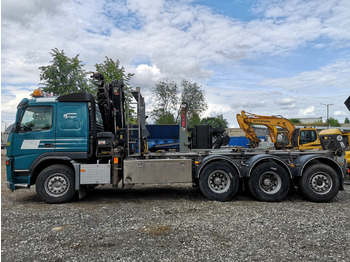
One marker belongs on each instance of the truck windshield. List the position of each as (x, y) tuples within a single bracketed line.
[(36, 118)]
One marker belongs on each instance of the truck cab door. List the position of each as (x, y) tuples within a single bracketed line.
[(72, 132), (34, 135)]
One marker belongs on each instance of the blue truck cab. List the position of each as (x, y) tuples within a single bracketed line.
[(50, 129)]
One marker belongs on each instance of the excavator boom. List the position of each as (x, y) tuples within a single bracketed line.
[(246, 120)]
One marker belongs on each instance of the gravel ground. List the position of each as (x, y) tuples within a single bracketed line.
[(163, 223)]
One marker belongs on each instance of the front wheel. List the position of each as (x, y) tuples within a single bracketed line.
[(218, 181), (319, 183), (269, 182), (55, 184)]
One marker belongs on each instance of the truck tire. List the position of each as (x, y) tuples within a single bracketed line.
[(319, 183), (269, 182), (218, 181), (55, 184)]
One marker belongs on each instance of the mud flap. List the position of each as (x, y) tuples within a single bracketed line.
[(82, 192)]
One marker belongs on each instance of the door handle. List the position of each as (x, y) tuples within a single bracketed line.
[(48, 145)]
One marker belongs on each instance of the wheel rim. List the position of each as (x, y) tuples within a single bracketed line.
[(56, 185), (321, 183), (270, 182), (219, 181)]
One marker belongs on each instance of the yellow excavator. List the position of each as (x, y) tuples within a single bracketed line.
[(287, 136)]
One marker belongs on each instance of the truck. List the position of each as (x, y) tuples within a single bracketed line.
[(64, 145), (287, 137)]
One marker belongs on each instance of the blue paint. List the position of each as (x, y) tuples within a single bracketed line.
[(47, 126), (163, 136), (240, 141)]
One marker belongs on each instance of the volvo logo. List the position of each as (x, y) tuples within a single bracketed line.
[(70, 115)]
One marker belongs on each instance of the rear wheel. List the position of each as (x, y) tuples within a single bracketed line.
[(218, 181), (319, 183), (55, 184), (269, 182)]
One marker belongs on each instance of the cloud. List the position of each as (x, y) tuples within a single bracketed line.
[(185, 39), (180, 38), (145, 76), (286, 103), (150, 10), (334, 75), (290, 24), (10, 98), (217, 109), (307, 112), (341, 113), (27, 12)]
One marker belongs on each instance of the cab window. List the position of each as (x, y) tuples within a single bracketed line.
[(36, 118), (307, 136)]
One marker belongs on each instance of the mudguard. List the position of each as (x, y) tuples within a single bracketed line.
[(302, 162), (255, 160), (212, 158)]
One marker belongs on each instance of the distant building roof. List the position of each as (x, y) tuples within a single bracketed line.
[(310, 120)]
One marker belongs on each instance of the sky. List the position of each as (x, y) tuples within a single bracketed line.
[(268, 57)]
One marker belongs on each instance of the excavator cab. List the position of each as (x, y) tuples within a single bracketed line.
[(305, 138), (282, 141)]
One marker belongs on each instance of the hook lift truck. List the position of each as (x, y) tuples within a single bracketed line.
[(65, 144)]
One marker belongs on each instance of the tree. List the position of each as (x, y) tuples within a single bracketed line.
[(64, 75), (346, 121), (167, 99), (193, 120), (165, 119), (193, 95), (333, 122), (111, 70), (215, 122), (295, 120), (166, 102)]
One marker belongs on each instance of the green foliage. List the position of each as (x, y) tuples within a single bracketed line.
[(193, 95), (165, 119), (193, 120), (346, 121), (318, 123), (64, 75), (215, 122), (166, 102), (112, 70), (333, 122), (295, 120)]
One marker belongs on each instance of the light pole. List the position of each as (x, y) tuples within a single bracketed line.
[(5, 125), (327, 105)]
